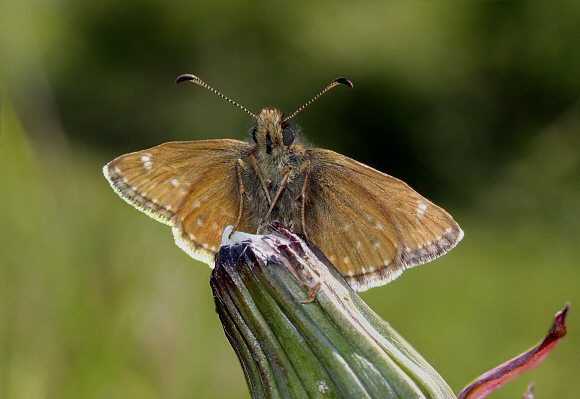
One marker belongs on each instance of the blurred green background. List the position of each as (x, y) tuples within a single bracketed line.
[(474, 104)]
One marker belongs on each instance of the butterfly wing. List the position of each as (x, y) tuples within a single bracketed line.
[(191, 186), (370, 225)]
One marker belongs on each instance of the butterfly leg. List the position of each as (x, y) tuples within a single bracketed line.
[(287, 172), (302, 197), (312, 293), (257, 170), (241, 193)]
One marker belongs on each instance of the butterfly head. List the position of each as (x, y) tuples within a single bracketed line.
[(272, 134)]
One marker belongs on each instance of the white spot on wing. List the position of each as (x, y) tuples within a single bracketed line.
[(386, 263), (148, 165), (175, 182), (117, 170), (345, 259), (448, 230), (145, 158), (192, 236), (421, 208), (199, 222), (379, 226), (196, 204)]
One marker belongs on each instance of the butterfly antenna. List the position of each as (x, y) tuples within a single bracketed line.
[(335, 82), (198, 81)]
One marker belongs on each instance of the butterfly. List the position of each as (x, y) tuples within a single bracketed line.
[(370, 225)]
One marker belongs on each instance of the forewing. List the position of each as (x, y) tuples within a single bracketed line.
[(191, 186), (371, 226)]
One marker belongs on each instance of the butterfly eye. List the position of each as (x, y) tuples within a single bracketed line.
[(287, 136), (254, 130)]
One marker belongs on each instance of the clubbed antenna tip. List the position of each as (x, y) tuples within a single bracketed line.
[(186, 77), (344, 81)]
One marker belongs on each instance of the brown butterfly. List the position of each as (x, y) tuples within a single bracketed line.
[(370, 225)]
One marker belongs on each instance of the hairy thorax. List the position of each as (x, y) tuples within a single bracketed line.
[(282, 171)]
